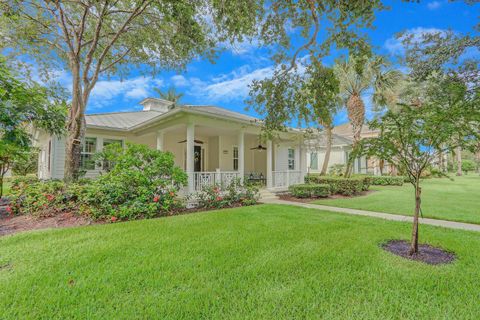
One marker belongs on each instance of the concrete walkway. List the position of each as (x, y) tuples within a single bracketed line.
[(381, 215)]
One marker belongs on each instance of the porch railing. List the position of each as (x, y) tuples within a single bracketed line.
[(284, 179), (220, 178)]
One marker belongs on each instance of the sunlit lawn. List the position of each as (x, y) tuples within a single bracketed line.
[(457, 200), (261, 262)]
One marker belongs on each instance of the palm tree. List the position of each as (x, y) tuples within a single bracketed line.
[(358, 76), (170, 95)]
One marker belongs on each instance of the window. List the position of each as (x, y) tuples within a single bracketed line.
[(235, 158), (291, 159), (108, 165), (89, 147), (314, 161)]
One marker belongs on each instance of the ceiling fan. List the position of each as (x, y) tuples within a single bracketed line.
[(196, 141), (259, 147)]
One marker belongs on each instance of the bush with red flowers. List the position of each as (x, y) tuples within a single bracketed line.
[(142, 183), (234, 194)]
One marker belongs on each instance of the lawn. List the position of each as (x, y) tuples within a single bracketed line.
[(457, 200), (261, 262)]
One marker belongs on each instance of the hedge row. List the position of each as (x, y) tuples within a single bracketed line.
[(339, 185), (387, 180), (310, 190)]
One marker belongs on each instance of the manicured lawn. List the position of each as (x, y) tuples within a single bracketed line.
[(457, 200), (262, 262)]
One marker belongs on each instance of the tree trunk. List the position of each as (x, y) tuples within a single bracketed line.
[(459, 161), (381, 166), (414, 243), (75, 129), (356, 115), (328, 150), (1, 186)]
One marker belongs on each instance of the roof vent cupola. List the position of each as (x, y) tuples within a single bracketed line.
[(156, 104)]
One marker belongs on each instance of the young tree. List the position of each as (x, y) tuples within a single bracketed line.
[(91, 39), (357, 75), (413, 134), (23, 103), (26, 163)]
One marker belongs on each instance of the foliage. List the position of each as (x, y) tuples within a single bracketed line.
[(40, 198), (23, 103), (101, 38), (434, 116), (357, 75), (468, 165), (310, 190), (170, 95), (143, 183), (337, 169), (106, 159), (26, 164), (340, 185), (387, 180), (236, 193)]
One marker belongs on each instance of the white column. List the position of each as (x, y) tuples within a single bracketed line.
[(190, 156), (269, 164), (241, 154), (160, 136), (303, 161)]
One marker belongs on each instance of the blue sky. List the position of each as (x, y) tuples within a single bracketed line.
[(225, 83)]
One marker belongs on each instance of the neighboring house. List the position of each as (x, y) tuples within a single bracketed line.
[(212, 144), (372, 165), (341, 148)]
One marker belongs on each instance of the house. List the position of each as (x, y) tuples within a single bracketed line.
[(213, 145)]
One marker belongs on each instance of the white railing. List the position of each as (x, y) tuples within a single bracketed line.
[(219, 178), (284, 179)]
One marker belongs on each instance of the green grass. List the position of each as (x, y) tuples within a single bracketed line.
[(262, 262), (457, 200), (6, 188)]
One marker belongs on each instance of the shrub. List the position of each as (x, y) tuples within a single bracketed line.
[(387, 180), (337, 169), (41, 198), (339, 185), (142, 183), (310, 190), (236, 193), (468, 165)]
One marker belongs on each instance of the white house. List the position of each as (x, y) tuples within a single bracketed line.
[(212, 144)]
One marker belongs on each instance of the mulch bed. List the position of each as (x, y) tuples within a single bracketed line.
[(426, 253), (14, 224), (288, 197)]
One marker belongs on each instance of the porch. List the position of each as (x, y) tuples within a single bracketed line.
[(219, 154)]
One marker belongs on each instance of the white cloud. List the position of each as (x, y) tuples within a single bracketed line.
[(227, 87), (106, 91), (179, 81), (434, 5), (394, 44)]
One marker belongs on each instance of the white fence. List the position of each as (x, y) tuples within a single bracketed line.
[(284, 179), (220, 178)]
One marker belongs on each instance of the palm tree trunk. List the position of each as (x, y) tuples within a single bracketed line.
[(356, 115), (328, 150)]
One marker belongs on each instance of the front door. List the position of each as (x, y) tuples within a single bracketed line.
[(197, 158)]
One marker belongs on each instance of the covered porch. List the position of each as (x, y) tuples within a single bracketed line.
[(215, 152)]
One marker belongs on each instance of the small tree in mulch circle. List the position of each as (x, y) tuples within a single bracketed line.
[(412, 136)]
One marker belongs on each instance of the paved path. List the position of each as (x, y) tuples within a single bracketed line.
[(381, 215)]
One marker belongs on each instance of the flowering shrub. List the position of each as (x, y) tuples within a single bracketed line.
[(40, 198), (143, 183), (236, 193)]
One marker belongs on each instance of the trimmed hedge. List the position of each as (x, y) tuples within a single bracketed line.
[(387, 180), (340, 185), (310, 190)]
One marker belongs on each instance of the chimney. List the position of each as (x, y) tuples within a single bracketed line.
[(156, 104)]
